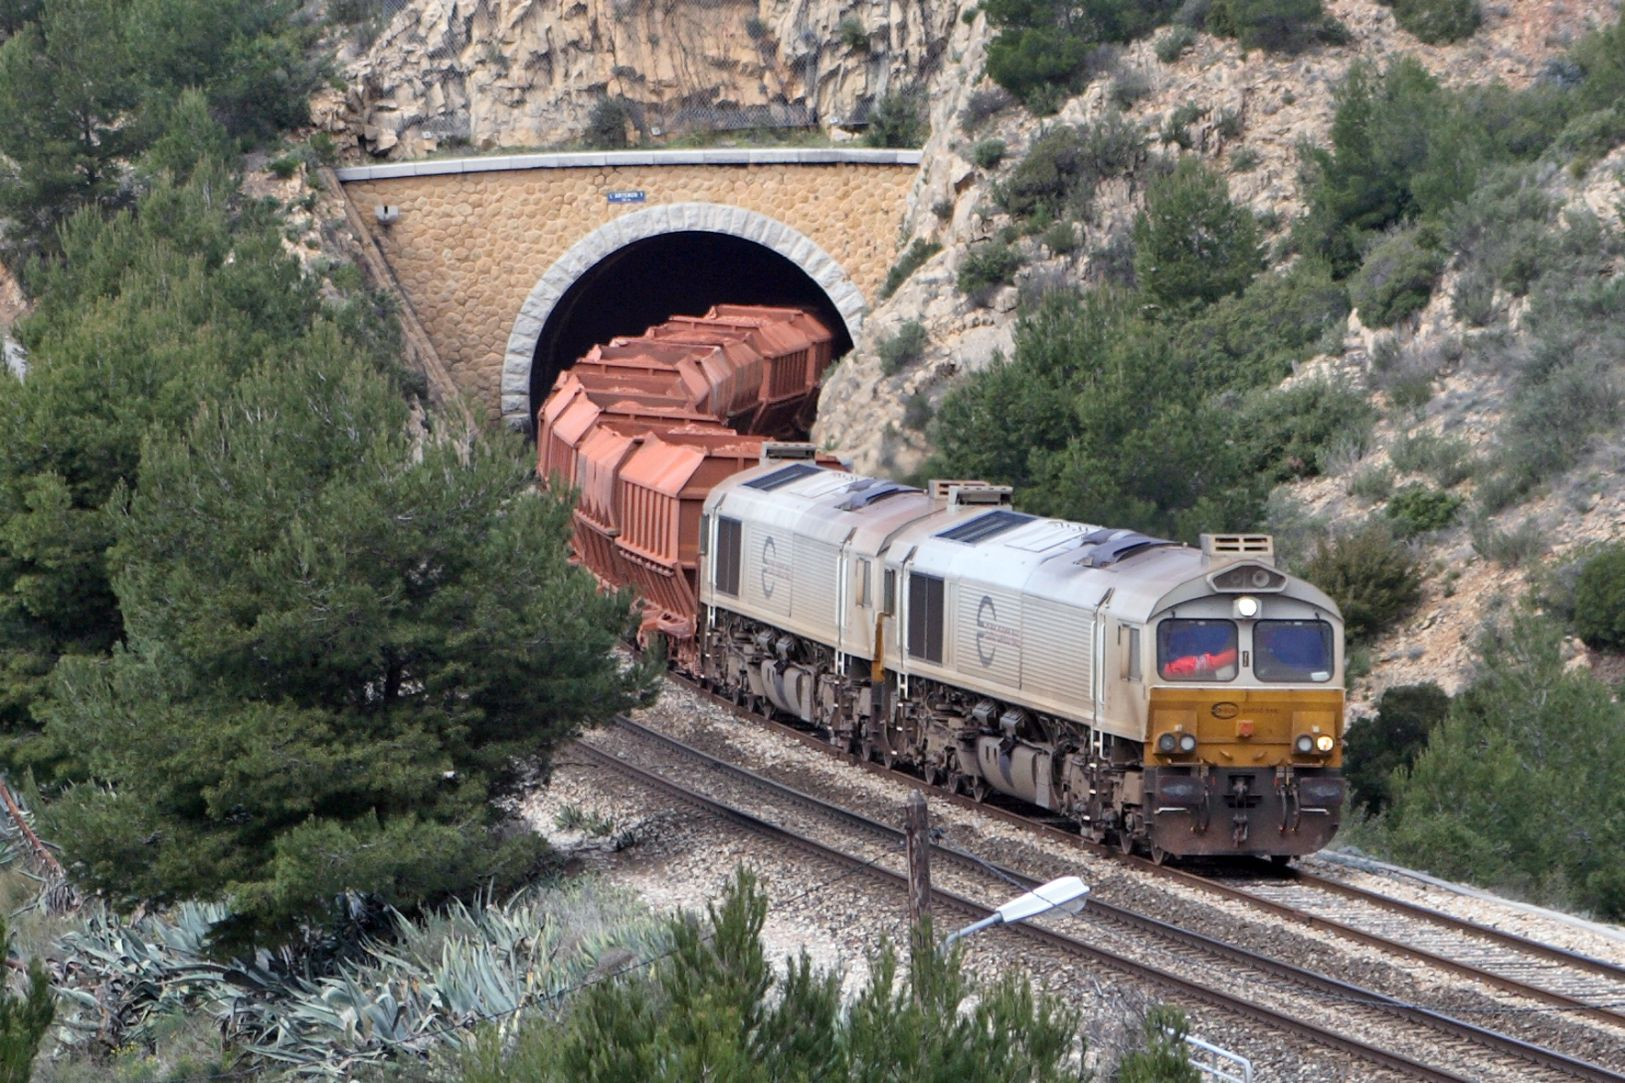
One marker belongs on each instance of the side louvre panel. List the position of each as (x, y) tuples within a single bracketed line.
[(1059, 651)]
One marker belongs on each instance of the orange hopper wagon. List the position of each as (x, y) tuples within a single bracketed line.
[(642, 429)]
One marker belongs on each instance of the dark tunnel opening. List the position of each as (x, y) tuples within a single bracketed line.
[(650, 280)]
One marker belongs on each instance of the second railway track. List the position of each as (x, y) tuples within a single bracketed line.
[(1224, 973)]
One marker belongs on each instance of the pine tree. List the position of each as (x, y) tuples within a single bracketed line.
[(339, 649), (713, 1009), (1161, 1055)]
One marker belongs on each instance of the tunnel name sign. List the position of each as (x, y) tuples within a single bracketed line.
[(626, 196)]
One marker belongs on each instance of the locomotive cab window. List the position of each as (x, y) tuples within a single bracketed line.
[(1292, 651), (1197, 650)]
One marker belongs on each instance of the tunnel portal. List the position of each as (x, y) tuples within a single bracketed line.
[(647, 281)]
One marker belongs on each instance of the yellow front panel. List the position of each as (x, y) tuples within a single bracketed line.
[(1245, 726)]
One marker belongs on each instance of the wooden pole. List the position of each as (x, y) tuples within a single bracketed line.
[(917, 833)]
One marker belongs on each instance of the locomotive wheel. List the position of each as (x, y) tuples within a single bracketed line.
[(979, 789), (1159, 855), (1124, 842), (866, 750)]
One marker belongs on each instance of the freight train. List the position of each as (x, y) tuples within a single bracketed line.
[(1175, 700)]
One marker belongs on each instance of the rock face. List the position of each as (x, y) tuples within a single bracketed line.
[(527, 73)]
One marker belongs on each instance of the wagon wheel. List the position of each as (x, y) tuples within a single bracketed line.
[(888, 757), (979, 789), (866, 749), (952, 779), (1124, 841), (1160, 856), (932, 773)]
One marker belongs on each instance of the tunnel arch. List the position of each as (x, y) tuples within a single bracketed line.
[(775, 264)]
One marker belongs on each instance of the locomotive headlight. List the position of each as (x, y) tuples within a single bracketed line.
[(1324, 744), (1305, 744), (1246, 607), (1167, 742), (1187, 742)]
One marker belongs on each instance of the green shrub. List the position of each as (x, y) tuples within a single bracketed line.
[(1291, 431), (1057, 176), (1436, 21), (1173, 42), (1509, 547), (1281, 26), (1519, 787), (1176, 127), (1599, 600), (853, 35), (918, 252), (1376, 747), (988, 153), (607, 125), (1061, 238), (285, 166), (1374, 578), (1129, 86), (1244, 159), (1192, 245), (1416, 508), (1448, 459), (1372, 484), (983, 104), (1396, 279), (901, 348), (987, 267), (897, 120), (1280, 318)]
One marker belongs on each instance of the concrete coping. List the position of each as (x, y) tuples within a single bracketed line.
[(562, 160)]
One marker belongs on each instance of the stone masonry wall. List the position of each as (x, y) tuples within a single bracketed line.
[(469, 247)]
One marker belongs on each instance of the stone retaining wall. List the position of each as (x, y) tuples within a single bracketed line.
[(472, 241)]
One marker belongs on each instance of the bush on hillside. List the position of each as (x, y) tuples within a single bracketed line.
[(985, 268), (1416, 508), (1192, 245), (1599, 600), (1374, 578), (901, 348), (1280, 26), (607, 125), (1437, 21), (987, 153), (1290, 432), (1377, 746), (1518, 788), (897, 120), (1396, 279), (1043, 48), (1057, 177)]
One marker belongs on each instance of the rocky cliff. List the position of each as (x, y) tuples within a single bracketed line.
[(527, 73)]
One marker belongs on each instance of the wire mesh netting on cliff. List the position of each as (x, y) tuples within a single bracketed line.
[(695, 96)]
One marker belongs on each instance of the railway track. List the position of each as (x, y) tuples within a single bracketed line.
[(1567, 983), (1227, 976)]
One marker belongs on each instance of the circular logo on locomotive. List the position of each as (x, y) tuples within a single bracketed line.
[(1225, 710), (986, 616), (770, 552)]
